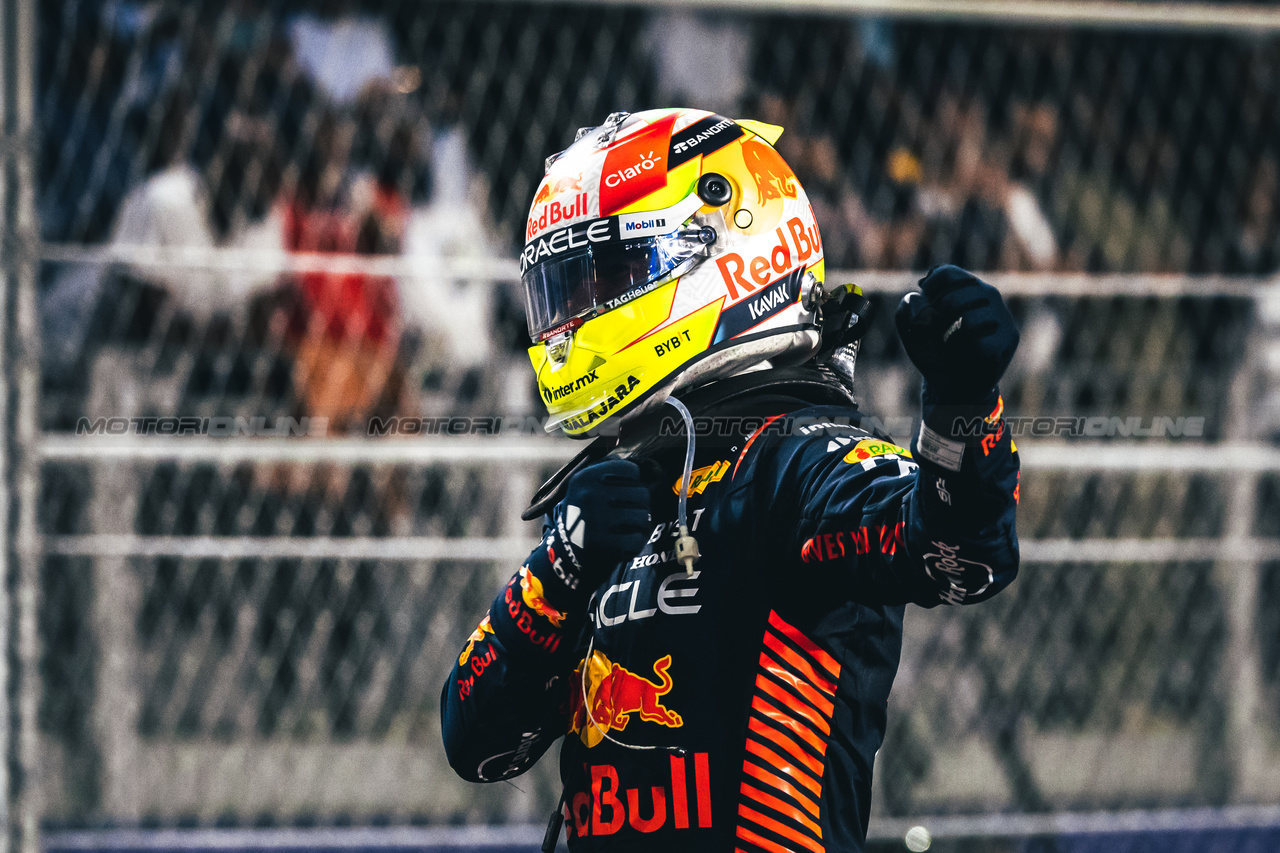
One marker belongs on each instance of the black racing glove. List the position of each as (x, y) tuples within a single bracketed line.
[(603, 519), (958, 333)]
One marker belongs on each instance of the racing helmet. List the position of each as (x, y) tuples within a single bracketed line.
[(665, 249)]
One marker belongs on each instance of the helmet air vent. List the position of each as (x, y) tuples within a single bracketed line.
[(714, 189)]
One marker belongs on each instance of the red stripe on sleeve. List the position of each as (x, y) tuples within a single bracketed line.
[(781, 808), (794, 634), (794, 749), (802, 666), (780, 828), (747, 835), (822, 703), (780, 785), (784, 719), (751, 440), (800, 708), (780, 764)]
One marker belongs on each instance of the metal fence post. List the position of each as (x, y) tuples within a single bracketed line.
[(116, 599), (21, 351), (1237, 577)]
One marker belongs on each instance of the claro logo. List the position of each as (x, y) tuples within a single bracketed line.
[(646, 163), (635, 167)]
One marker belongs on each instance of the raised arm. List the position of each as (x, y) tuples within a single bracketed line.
[(936, 525)]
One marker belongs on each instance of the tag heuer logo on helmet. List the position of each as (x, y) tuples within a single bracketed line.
[(634, 293), (553, 394), (573, 237)]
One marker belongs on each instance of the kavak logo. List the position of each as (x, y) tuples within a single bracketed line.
[(764, 304)]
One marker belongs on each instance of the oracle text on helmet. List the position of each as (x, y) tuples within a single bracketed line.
[(574, 237)]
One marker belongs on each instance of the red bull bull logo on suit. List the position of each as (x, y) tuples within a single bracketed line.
[(614, 693)]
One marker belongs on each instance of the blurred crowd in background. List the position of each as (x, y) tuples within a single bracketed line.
[(418, 130), (408, 137)]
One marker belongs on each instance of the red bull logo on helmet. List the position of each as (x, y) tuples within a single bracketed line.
[(553, 187), (553, 213), (772, 177), (614, 693)]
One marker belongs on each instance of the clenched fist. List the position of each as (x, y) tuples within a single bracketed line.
[(604, 517), (958, 333)]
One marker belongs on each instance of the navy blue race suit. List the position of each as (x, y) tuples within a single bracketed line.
[(763, 677)]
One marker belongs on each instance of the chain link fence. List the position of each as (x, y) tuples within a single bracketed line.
[(270, 230)]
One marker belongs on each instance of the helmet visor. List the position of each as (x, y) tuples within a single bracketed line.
[(600, 276)]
